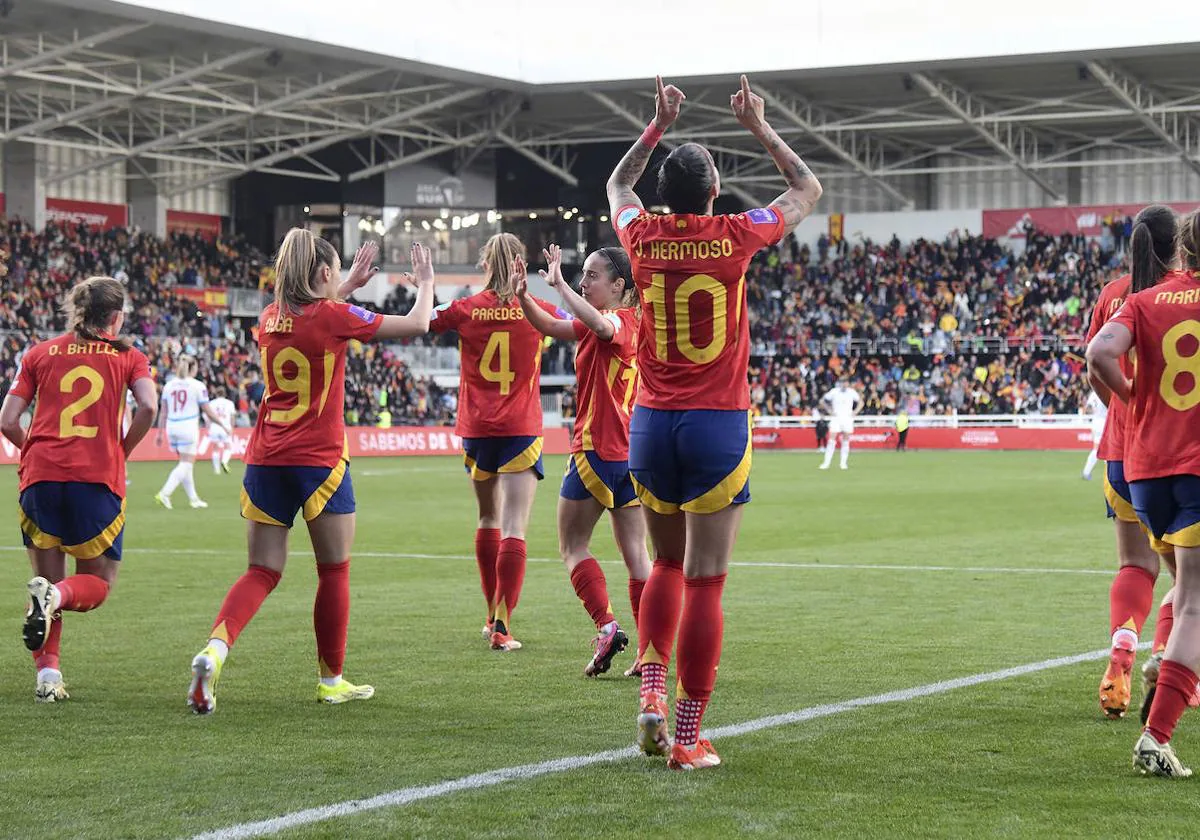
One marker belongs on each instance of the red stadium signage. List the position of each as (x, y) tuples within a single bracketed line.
[(1089, 220), (205, 225), (90, 213), (2, 205), (994, 437)]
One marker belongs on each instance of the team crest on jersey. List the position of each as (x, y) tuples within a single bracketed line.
[(364, 314), (762, 216), (626, 216)]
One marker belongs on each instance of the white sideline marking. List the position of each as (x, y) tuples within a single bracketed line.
[(491, 778), (751, 564)]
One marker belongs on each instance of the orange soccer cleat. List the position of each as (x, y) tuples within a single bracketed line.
[(504, 641), (1116, 686), (699, 757), (652, 736)]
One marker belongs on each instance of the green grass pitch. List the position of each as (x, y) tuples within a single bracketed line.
[(1023, 757)]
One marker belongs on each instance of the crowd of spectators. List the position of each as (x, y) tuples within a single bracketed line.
[(959, 325)]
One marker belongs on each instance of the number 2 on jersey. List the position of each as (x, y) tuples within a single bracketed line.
[(496, 364), (1177, 364), (66, 420)]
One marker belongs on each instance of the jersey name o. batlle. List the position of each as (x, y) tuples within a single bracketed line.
[(1112, 441), (301, 421), (78, 390), (606, 372), (694, 339), (499, 388), (1164, 412)]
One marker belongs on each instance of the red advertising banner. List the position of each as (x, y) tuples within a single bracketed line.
[(90, 213), (205, 225), (2, 205), (971, 438), (1088, 220), (206, 298)]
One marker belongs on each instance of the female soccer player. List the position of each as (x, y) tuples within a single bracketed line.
[(296, 461), (1131, 596), (218, 433), (689, 439), (184, 399), (500, 423), (72, 472), (1162, 463), (597, 479)]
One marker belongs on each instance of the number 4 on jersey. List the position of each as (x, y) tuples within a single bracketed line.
[(497, 353)]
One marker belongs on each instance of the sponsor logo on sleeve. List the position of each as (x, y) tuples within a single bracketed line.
[(762, 216), (626, 216), (365, 315)]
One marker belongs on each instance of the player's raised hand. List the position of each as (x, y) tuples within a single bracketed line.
[(422, 263), (748, 107), (553, 273), (363, 268), (667, 101), (520, 277)]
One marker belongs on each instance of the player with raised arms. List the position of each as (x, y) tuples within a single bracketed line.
[(689, 438), (1131, 596), (1162, 463), (605, 323), (184, 399), (845, 403), (297, 459), (219, 437), (500, 423), (72, 467)]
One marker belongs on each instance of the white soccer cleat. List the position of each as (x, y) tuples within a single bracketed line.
[(40, 614), (163, 501), (823, 467), (1151, 758), (50, 689), (198, 503)]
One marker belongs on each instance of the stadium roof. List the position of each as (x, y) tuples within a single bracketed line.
[(129, 81)]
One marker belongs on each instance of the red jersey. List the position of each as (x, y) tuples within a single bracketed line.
[(76, 434), (694, 341), (606, 372), (1164, 412), (301, 418), (499, 385), (1112, 441)]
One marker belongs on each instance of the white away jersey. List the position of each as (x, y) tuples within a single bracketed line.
[(843, 402), (182, 399), (224, 409), (1096, 407)]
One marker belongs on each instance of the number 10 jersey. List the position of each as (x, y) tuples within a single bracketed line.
[(301, 420), (76, 433), (694, 340)]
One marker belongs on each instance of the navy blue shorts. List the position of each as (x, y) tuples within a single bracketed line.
[(1169, 508), (486, 458), (274, 495), (696, 460), (84, 520), (591, 477), (1116, 493)]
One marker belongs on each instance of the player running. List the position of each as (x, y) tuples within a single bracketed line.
[(72, 470), (689, 438), (1098, 411), (1131, 596), (605, 325), (297, 461), (1162, 461), (500, 423), (219, 437), (184, 399), (845, 403)]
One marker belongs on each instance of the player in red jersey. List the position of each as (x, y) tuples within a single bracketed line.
[(1162, 464), (72, 470), (500, 423), (296, 461), (689, 447), (605, 324), (1131, 596)]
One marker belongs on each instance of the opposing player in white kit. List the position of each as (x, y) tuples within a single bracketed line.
[(1099, 412), (184, 399), (844, 403), (218, 438)]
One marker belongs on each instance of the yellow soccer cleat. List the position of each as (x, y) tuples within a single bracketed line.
[(163, 501), (343, 692), (1151, 758), (206, 670)]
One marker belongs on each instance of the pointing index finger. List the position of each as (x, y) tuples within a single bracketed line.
[(662, 93), (746, 88)]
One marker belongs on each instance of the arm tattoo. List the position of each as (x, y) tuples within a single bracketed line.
[(631, 167)]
